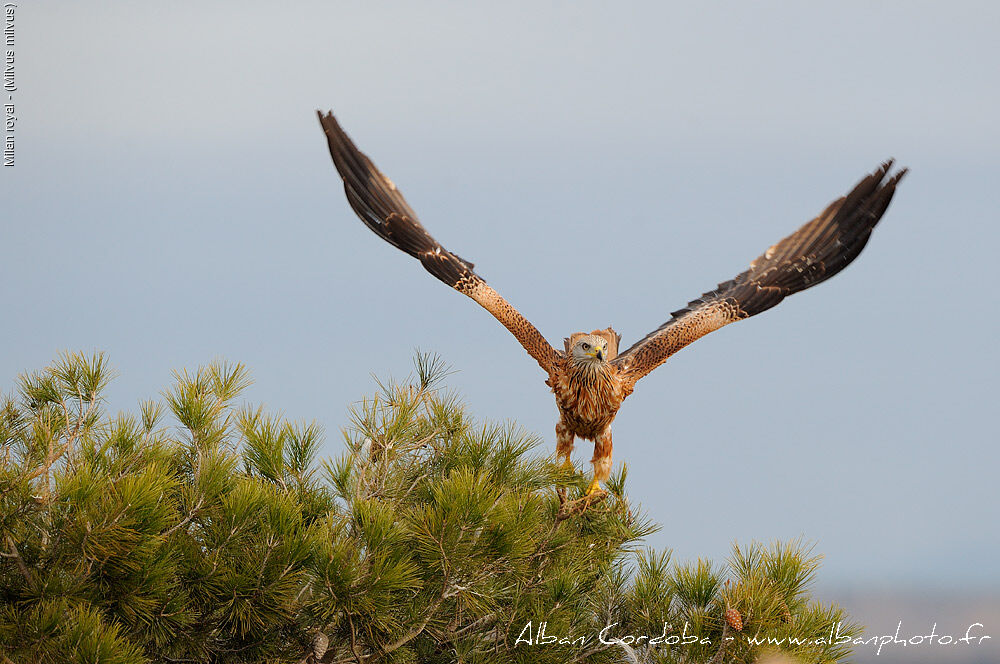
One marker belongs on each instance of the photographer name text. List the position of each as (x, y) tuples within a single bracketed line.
[(530, 636)]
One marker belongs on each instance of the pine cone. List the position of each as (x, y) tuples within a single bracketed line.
[(320, 643), (786, 615), (734, 619)]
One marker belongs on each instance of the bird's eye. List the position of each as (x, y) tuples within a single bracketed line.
[(586, 346)]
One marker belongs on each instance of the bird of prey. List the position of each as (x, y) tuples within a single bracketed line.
[(589, 376)]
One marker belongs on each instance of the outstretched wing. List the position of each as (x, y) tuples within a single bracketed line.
[(383, 209), (814, 253)]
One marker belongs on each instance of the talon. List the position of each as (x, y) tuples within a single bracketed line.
[(594, 487), (567, 464)]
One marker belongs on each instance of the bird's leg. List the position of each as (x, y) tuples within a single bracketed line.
[(601, 461), (564, 444), (564, 448)]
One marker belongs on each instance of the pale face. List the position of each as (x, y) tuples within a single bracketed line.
[(590, 349)]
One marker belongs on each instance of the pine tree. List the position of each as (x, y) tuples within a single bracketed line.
[(201, 529)]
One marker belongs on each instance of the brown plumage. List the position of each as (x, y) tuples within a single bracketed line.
[(589, 377)]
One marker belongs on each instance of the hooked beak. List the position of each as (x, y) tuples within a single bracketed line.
[(599, 354)]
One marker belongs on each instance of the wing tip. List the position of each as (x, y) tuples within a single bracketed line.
[(885, 168)]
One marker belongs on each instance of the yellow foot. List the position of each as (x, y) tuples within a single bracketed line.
[(567, 465), (567, 508)]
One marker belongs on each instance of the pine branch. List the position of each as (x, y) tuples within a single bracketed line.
[(717, 659), (354, 643), (415, 632), (476, 624), (592, 651), (21, 566), (186, 520)]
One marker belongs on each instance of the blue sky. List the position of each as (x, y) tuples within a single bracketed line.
[(173, 202)]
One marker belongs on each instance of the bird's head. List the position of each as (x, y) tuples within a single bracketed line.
[(590, 348)]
